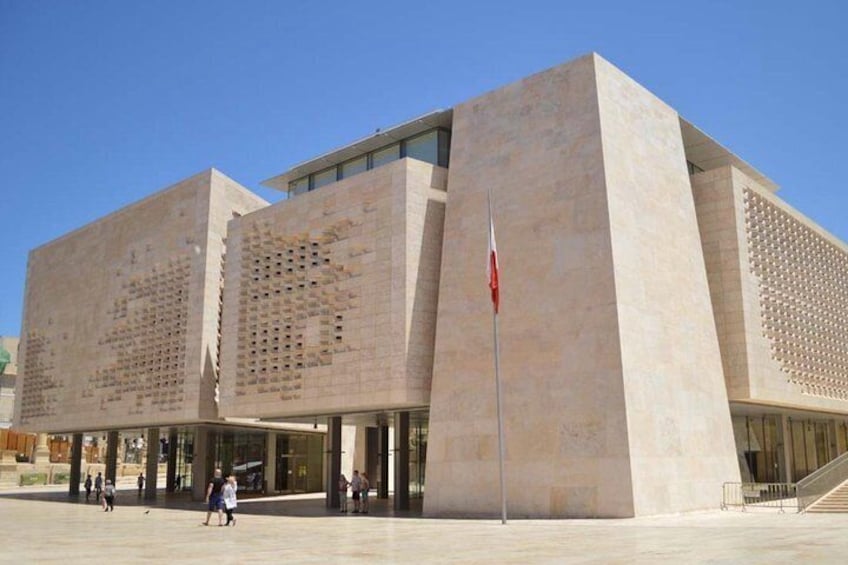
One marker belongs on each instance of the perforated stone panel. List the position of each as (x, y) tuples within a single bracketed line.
[(330, 297), (40, 389), (803, 293), (292, 308), (148, 340), (122, 316)]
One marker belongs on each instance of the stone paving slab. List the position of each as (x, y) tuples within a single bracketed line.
[(49, 531)]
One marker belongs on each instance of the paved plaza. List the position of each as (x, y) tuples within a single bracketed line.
[(43, 526)]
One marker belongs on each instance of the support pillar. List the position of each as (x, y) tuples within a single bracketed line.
[(76, 463), (202, 462), (152, 464), (383, 483), (270, 473), (784, 454), (112, 439), (334, 464), (42, 450), (832, 429), (171, 473), (841, 437), (401, 501)]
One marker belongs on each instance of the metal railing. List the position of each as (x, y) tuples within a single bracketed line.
[(822, 481), (777, 496)]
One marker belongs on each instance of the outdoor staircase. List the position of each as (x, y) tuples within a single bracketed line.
[(834, 501)]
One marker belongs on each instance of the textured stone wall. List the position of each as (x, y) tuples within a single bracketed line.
[(778, 286), (115, 330), (330, 297), (614, 403)]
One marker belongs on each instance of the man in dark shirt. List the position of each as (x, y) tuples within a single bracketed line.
[(215, 498)]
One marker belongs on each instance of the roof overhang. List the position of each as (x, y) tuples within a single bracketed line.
[(380, 138), (707, 153)]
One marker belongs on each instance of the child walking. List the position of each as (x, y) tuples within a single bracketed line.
[(230, 501)]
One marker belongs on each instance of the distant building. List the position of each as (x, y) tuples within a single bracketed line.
[(8, 349), (668, 323)]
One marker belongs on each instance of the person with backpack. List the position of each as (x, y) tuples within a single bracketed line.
[(109, 497)]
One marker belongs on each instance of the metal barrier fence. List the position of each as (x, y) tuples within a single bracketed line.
[(776, 496)]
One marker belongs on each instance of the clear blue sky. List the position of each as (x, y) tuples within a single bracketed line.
[(103, 103)]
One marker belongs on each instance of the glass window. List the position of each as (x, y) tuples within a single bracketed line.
[(386, 155), (424, 147), (354, 167), (444, 148), (299, 186), (324, 178)]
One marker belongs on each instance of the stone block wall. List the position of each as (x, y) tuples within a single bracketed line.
[(330, 297), (120, 318)]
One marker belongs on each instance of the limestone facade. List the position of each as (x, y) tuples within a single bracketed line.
[(600, 260), (779, 287), (330, 301), (651, 281), (122, 316)]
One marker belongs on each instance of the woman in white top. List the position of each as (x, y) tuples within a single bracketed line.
[(230, 502)]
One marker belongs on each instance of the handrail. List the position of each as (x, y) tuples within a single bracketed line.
[(778, 496), (822, 481)]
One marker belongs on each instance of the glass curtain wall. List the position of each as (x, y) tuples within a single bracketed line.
[(241, 453), (418, 432), (757, 448), (185, 457), (300, 460), (810, 442)]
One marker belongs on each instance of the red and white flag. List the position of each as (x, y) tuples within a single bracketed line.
[(492, 264)]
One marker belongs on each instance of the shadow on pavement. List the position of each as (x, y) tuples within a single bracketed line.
[(299, 505)]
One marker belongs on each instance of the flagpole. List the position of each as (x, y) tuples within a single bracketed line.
[(500, 419), (498, 392)]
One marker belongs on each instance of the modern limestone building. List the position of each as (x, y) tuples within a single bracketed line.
[(122, 334), (668, 324)]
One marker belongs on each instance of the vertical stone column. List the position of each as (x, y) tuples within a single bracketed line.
[(152, 473), (833, 439), (334, 463), (171, 473), (383, 485), (200, 471), (112, 439), (42, 450), (784, 453), (841, 447), (271, 462), (401, 501), (76, 463)]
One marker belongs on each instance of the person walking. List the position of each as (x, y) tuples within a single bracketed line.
[(215, 498), (88, 487), (355, 487), (109, 497), (140, 483), (343, 484), (98, 486), (230, 500), (366, 486)]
